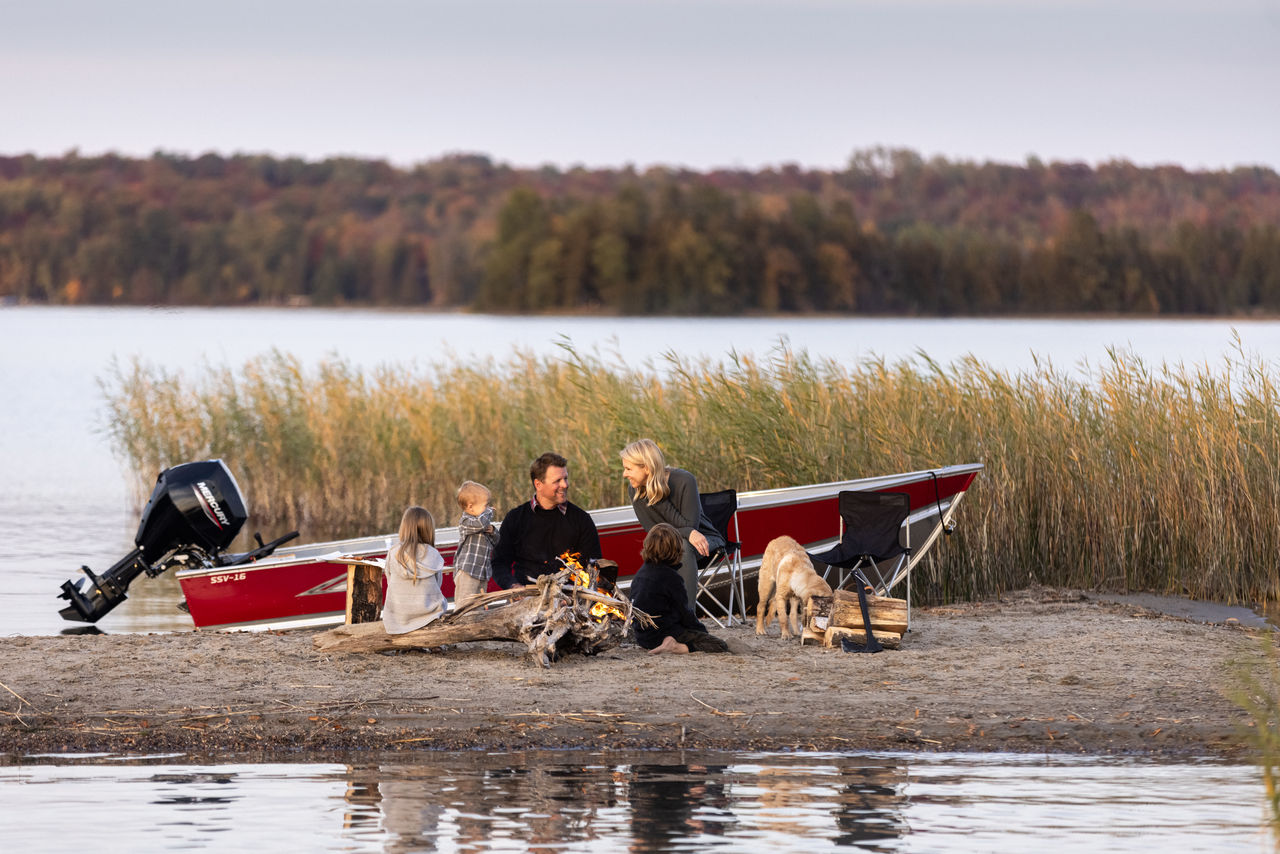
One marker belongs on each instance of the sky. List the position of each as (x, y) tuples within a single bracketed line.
[(701, 84)]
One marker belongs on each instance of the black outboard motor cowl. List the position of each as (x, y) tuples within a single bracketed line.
[(196, 504), (193, 515)]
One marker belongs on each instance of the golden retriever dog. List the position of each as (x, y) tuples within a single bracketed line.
[(787, 582)]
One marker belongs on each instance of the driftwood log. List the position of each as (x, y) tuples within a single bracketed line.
[(551, 619)]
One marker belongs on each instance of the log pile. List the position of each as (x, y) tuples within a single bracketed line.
[(551, 619), (830, 618)]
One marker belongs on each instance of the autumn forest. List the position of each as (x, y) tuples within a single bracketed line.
[(891, 234)]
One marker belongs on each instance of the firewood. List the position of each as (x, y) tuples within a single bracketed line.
[(889, 640), (819, 606), (551, 619), (364, 592), (812, 634), (887, 614)]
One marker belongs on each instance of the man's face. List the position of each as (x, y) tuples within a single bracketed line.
[(553, 489)]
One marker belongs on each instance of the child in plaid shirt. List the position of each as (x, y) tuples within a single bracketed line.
[(476, 539)]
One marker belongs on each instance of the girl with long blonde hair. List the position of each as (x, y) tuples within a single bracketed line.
[(413, 570)]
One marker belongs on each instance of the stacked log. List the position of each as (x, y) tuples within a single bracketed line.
[(831, 618)]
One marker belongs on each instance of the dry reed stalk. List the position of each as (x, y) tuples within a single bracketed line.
[(1124, 478)]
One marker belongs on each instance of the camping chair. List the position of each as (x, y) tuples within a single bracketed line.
[(870, 528), (721, 508)]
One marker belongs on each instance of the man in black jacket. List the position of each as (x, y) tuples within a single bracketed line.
[(533, 535)]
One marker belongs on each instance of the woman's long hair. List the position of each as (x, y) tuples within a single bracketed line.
[(417, 529), (645, 452)]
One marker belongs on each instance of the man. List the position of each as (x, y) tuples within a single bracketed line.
[(533, 535)]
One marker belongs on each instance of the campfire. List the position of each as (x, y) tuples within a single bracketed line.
[(578, 609), (590, 578)]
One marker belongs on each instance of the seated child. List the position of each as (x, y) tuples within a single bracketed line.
[(414, 597), (476, 539), (658, 590)]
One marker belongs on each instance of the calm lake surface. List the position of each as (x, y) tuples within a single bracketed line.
[(64, 499), (603, 802)]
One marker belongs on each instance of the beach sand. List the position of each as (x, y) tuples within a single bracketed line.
[(1036, 671)]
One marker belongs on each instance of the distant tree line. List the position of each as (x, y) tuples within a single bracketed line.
[(890, 234)]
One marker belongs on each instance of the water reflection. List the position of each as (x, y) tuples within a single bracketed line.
[(854, 802), (870, 812), (637, 802), (653, 806), (513, 797), (671, 804)]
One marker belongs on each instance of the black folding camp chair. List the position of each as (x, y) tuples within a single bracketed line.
[(875, 545), (715, 601)]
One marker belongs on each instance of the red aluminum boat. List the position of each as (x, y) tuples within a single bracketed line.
[(306, 586)]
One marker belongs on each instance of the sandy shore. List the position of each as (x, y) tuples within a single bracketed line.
[(1040, 670)]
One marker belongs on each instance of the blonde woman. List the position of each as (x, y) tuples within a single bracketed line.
[(661, 493), (413, 571)]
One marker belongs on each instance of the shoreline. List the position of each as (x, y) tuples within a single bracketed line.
[(1038, 671), (596, 313)]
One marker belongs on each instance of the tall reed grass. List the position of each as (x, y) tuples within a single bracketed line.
[(1125, 478)]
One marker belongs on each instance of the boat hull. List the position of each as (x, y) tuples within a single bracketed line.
[(307, 585)]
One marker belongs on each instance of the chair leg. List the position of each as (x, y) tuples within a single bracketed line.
[(847, 574), (710, 616), (732, 593), (883, 588), (742, 590), (735, 599), (705, 576)]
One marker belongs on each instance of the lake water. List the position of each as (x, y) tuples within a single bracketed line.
[(64, 502), (602, 802), (63, 496)]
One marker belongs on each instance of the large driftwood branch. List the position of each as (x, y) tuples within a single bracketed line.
[(550, 619)]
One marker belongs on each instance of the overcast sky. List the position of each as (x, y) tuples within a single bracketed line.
[(698, 83)]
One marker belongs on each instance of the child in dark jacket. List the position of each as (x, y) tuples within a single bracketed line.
[(658, 590)]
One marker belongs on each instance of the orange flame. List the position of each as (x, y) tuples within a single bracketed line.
[(600, 611), (582, 578)]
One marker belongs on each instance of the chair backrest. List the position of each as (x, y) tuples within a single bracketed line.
[(719, 508), (872, 521)]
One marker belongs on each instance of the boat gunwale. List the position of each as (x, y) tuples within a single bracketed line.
[(608, 518)]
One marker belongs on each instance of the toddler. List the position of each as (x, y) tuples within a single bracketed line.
[(472, 564)]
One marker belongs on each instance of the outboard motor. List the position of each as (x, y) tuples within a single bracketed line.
[(194, 513)]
